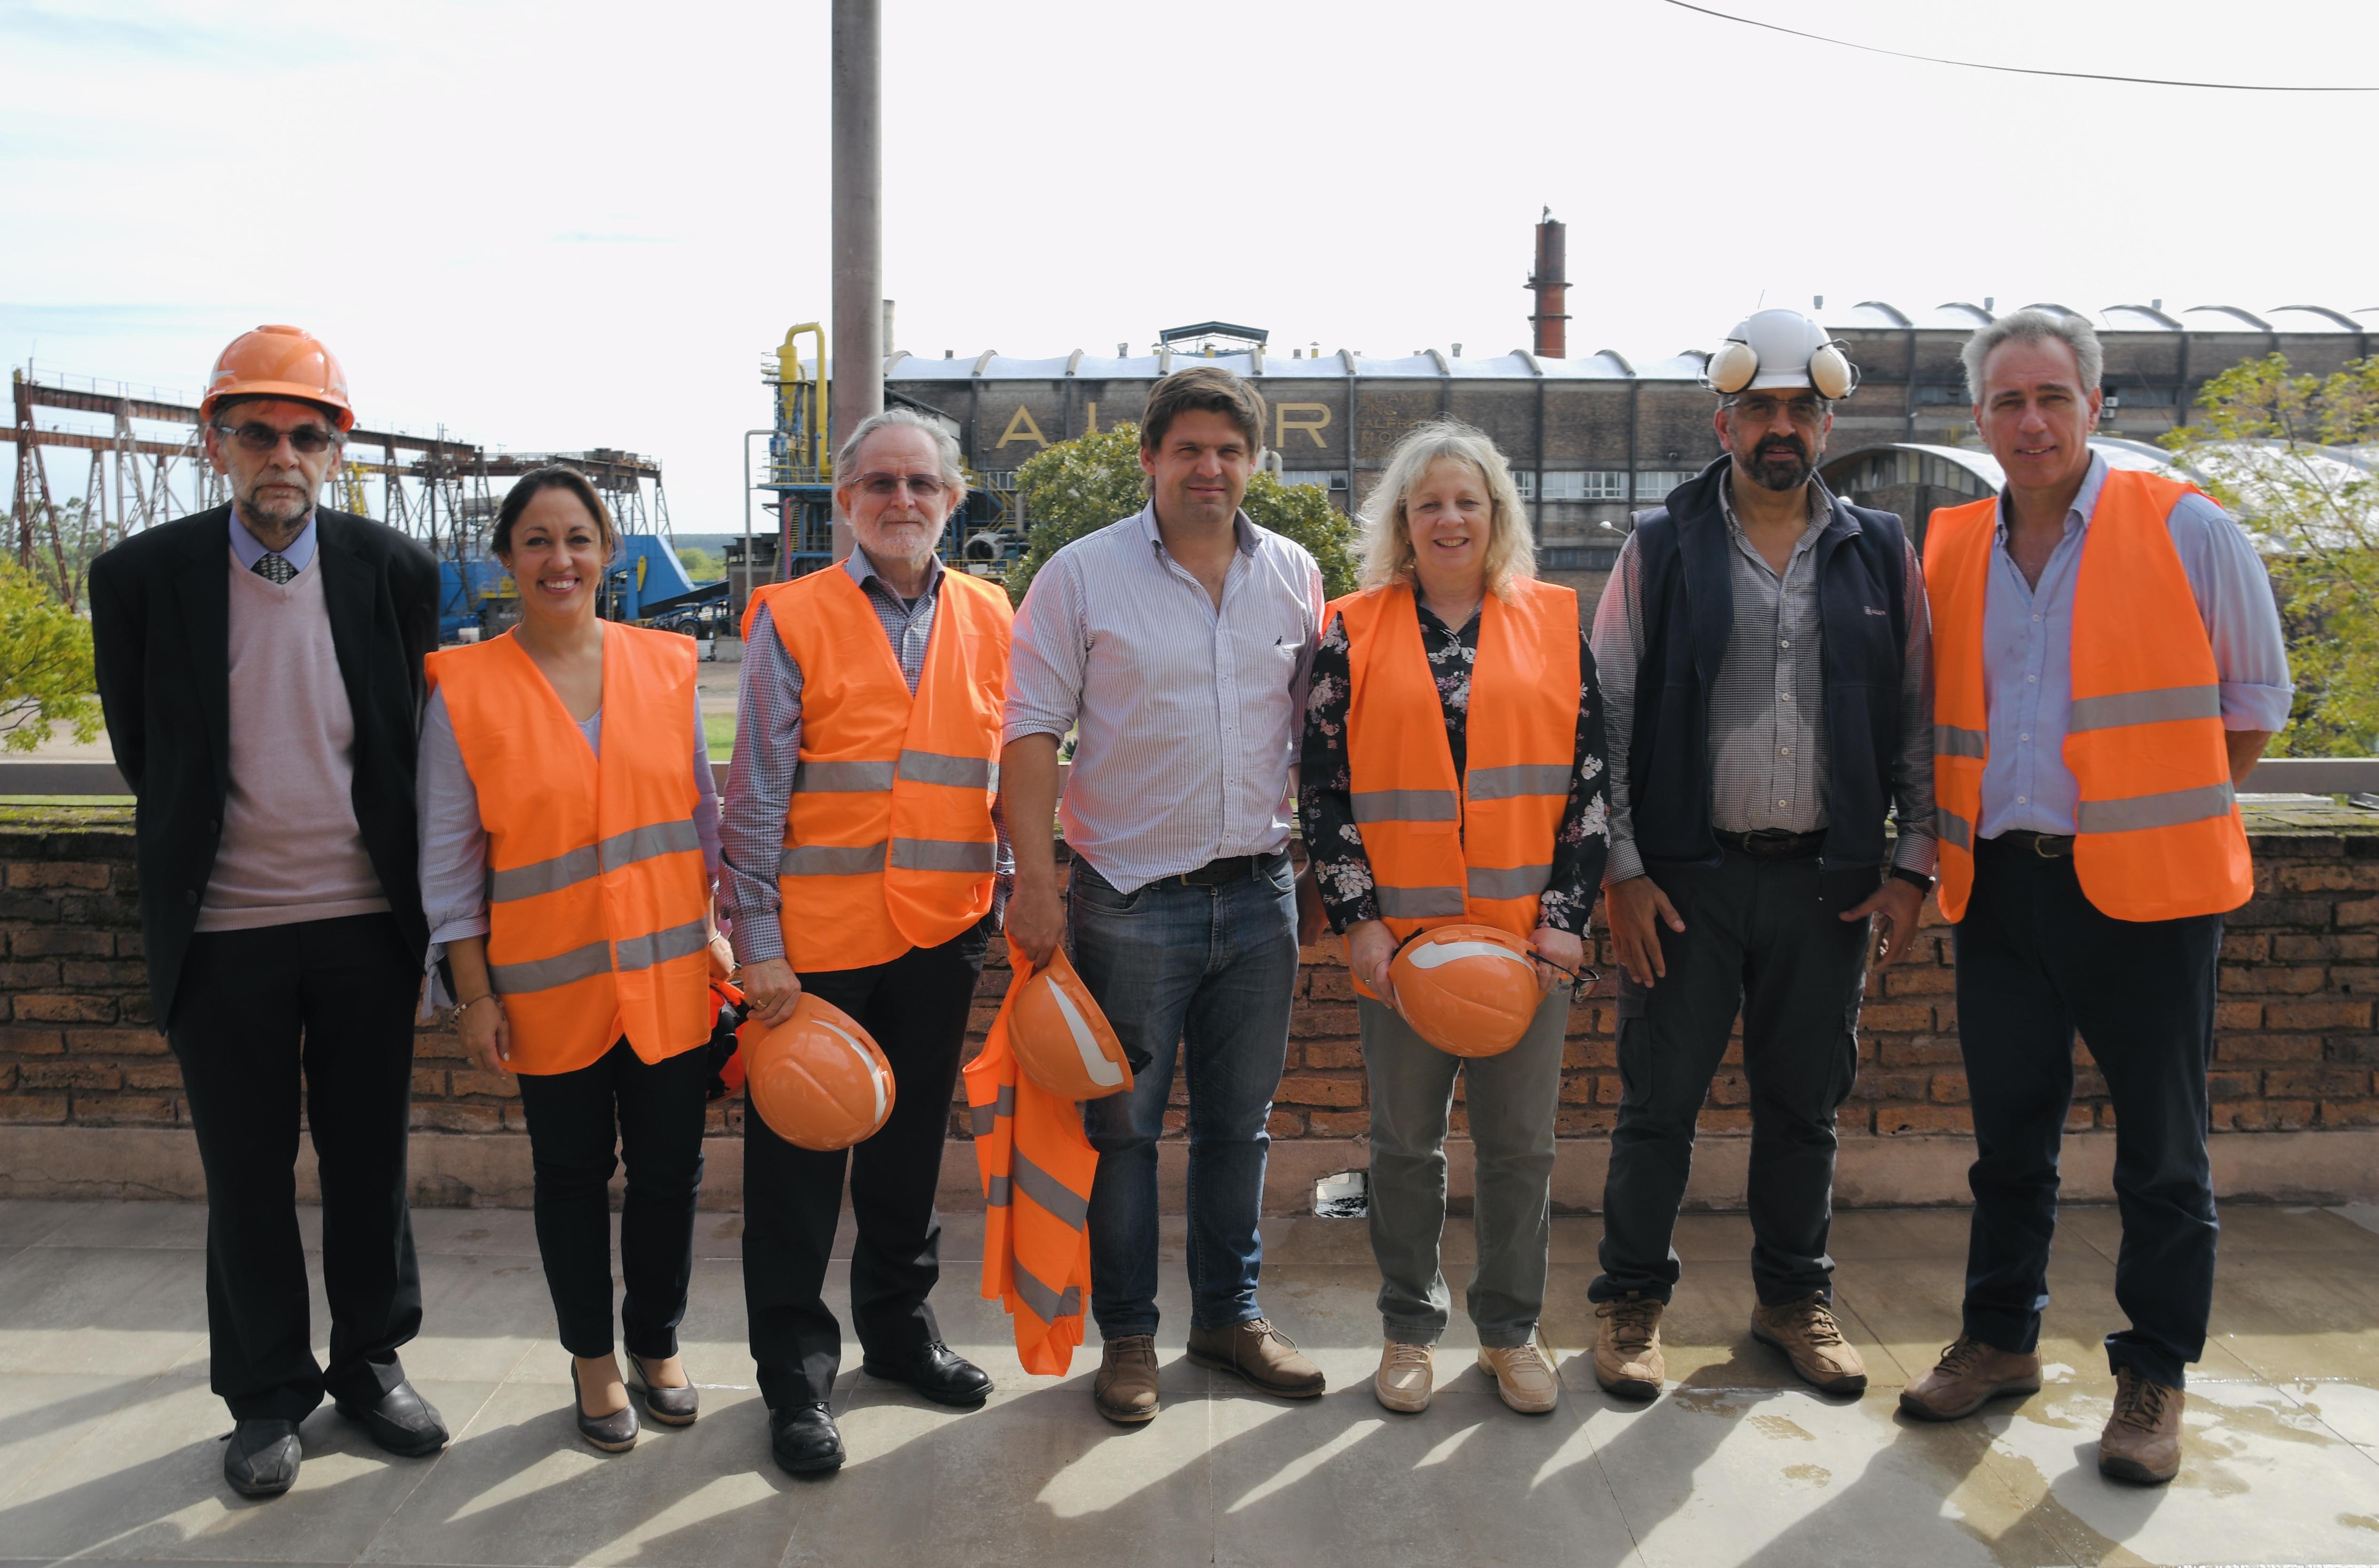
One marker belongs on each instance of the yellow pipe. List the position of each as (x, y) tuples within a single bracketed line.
[(790, 375)]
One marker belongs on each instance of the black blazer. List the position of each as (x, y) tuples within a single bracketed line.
[(161, 629)]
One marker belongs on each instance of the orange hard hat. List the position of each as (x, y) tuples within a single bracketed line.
[(818, 1079), (278, 362), (1468, 990), (1061, 1040)]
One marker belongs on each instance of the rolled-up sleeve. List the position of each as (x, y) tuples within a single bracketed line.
[(1047, 656), (2242, 620), (759, 792)]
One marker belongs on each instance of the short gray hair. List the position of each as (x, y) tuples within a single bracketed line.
[(1384, 544), (946, 448), (2035, 326)]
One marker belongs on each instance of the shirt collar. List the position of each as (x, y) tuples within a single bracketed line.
[(2085, 499), (862, 569), (248, 550), (1243, 531), (1821, 503)]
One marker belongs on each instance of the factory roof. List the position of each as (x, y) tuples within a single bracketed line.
[(1965, 316)]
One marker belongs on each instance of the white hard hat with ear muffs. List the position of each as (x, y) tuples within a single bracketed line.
[(1780, 348)]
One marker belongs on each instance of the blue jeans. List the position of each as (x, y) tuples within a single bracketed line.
[(1214, 970)]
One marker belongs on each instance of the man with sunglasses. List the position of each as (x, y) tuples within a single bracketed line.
[(260, 663), (864, 861), (1763, 646)]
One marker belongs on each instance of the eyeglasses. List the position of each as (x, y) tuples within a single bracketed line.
[(257, 436), (925, 486), (1581, 979), (1759, 410)]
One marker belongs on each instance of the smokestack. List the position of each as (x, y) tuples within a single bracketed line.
[(1550, 282)]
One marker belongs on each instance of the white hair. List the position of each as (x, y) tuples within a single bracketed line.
[(2035, 326), (946, 448), (1385, 543)]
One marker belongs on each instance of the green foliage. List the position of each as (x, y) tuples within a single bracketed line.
[(45, 669), (701, 566), (2258, 444), (1080, 486)]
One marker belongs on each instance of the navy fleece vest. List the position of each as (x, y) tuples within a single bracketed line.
[(1689, 615)]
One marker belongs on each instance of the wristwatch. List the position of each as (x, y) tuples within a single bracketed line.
[(1914, 879)]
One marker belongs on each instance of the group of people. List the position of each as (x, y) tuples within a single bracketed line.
[(1779, 733)]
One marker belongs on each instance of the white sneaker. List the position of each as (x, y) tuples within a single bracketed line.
[(1522, 1377), (1407, 1372)]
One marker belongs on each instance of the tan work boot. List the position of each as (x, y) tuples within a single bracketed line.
[(1259, 1353), (1969, 1374), (1627, 1347), (1405, 1375), (2142, 1442), (1124, 1389), (1522, 1377), (1811, 1338)]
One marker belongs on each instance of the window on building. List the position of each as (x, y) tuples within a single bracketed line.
[(1319, 478), (1654, 483), (1583, 484), (1953, 394), (999, 478)]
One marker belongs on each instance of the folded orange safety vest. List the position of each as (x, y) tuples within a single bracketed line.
[(1037, 1167)]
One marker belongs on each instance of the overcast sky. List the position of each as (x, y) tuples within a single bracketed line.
[(579, 224)]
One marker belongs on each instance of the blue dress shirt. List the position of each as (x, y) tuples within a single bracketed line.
[(244, 545), (2028, 654)]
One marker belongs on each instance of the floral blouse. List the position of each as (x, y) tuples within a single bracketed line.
[(1326, 806)]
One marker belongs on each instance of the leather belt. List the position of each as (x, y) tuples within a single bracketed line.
[(1230, 868), (1772, 843), (2048, 846)]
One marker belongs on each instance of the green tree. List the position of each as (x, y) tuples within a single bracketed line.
[(1080, 486), (45, 669), (701, 566), (2267, 445)]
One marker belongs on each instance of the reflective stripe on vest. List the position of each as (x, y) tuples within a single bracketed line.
[(2146, 708), (596, 883), (1479, 848), (888, 839)]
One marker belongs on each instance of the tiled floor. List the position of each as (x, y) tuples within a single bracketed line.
[(109, 1451)]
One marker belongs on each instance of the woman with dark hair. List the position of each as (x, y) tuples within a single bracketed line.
[(569, 845)]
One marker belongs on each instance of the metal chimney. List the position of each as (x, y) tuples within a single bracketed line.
[(1550, 282)]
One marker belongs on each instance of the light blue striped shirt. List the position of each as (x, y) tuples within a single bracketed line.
[(2028, 654)]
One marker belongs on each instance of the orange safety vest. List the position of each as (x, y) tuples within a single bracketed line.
[(1037, 1167), (1477, 849), (2158, 834), (888, 841), (596, 890)]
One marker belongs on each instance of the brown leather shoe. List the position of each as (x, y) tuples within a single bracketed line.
[(2142, 1442), (1627, 1347), (1811, 1338), (1259, 1353), (1969, 1375), (1125, 1389)]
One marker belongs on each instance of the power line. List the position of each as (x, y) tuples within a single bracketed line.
[(2013, 70)]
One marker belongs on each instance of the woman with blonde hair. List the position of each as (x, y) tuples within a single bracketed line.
[(1454, 690)]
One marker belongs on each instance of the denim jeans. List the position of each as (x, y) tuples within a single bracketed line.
[(1511, 1099), (1206, 974)]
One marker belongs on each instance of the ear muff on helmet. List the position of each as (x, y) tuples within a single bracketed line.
[(1731, 369), (1832, 372)]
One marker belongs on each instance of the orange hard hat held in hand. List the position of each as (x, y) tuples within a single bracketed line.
[(817, 1079), (277, 362), (1062, 1041), (1468, 990)]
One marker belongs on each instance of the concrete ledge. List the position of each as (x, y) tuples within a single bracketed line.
[(491, 1171)]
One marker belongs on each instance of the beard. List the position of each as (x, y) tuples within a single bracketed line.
[(266, 503), (1780, 463)]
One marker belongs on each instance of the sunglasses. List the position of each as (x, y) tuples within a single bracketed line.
[(257, 436), (1581, 979), (925, 486)]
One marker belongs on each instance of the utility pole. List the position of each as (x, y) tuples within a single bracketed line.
[(858, 158)]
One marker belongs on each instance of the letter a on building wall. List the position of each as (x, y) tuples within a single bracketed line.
[(1022, 429)]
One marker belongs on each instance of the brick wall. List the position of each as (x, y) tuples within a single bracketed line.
[(2297, 1047)]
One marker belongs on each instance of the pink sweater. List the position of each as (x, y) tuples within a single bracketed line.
[(291, 849)]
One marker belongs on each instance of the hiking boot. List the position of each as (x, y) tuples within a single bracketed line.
[(1125, 1389), (1811, 1338), (1627, 1347), (1260, 1353), (1404, 1379), (2142, 1442), (1969, 1374), (1522, 1377)]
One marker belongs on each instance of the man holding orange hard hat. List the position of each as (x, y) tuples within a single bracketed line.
[(862, 862), (1764, 646)]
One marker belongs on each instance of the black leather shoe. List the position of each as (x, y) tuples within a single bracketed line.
[(670, 1406), (804, 1439), (260, 1458), (615, 1433), (939, 1374), (399, 1421)]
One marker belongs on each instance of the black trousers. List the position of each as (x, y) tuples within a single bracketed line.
[(2037, 961), (916, 1008), (652, 1114), (334, 999), (1763, 935)]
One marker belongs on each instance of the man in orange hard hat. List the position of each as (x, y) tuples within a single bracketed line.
[(260, 663)]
